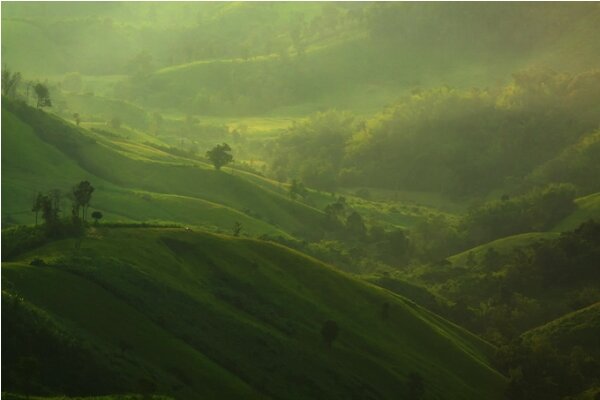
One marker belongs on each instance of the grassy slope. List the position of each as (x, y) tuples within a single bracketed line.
[(503, 246), (137, 182), (588, 207), (579, 328), (234, 307)]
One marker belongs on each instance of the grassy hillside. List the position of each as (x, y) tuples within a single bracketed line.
[(579, 328), (235, 314), (588, 207), (503, 246), (135, 181)]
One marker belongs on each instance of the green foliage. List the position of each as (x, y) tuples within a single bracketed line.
[(43, 95), (19, 239), (10, 82), (538, 210), (501, 294), (82, 195), (220, 155), (313, 150)]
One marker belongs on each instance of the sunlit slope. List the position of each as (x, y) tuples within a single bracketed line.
[(588, 207), (41, 152), (253, 309), (579, 328), (502, 246)]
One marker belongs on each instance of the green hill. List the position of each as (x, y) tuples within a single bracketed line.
[(588, 207), (579, 328), (503, 246), (136, 182), (204, 314)]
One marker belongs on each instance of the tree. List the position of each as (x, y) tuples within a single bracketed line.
[(82, 194), (10, 82), (220, 155), (297, 189), (237, 228), (97, 215), (37, 206), (356, 226), (43, 95), (329, 332), (49, 214)]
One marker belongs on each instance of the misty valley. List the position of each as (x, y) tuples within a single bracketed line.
[(300, 200)]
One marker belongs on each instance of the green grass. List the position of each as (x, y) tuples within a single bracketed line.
[(244, 313), (588, 207), (579, 328), (135, 182), (503, 246)]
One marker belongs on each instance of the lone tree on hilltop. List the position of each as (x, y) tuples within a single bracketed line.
[(97, 215), (220, 155), (329, 332), (43, 95)]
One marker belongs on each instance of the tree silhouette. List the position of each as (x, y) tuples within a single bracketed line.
[(82, 194), (49, 214), (356, 226), (97, 215), (37, 206), (329, 332), (43, 95), (220, 155), (10, 82)]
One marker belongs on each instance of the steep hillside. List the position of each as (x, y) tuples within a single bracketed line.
[(205, 313)]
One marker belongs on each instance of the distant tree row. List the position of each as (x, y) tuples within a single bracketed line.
[(10, 86)]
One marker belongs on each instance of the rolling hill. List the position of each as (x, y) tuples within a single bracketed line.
[(136, 182), (200, 314)]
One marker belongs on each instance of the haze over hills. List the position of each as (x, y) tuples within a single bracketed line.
[(300, 200)]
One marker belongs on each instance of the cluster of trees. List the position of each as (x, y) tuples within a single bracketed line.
[(49, 206), (536, 211), (455, 142), (500, 295), (11, 82), (538, 370)]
